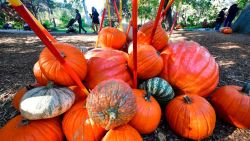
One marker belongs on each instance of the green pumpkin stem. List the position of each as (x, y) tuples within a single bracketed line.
[(112, 117), (187, 99), (147, 96), (50, 84), (246, 89)]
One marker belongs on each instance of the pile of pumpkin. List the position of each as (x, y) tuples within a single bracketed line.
[(175, 78)]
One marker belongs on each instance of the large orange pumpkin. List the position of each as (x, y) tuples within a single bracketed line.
[(111, 104), (149, 62), (104, 64), (78, 126), (147, 108), (160, 38), (191, 116), (232, 104), (40, 78), (122, 133), (190, 68), (111, 37), (20, 129), (54, 71)]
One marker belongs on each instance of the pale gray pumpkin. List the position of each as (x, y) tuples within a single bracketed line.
[(46, 102)]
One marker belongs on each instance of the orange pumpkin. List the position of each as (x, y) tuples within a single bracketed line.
[(20, 129), (79, 94), (111, 104), (191, 116), (122, 133), (160, 38), (190, 68), (54, 71), (111, 37), (232, 104), (40, 78), (149, 62), (104, 64), (78, 126), (227, 30), (147, 108)]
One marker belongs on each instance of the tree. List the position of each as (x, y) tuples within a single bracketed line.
[(50, 5)]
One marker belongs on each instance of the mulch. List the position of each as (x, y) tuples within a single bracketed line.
[(20, 51)]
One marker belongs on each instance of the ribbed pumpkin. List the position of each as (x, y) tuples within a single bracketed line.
[(46, 102), (104, 64), (20, 129), (77, 125), (122, 133), (17, 98), (79, 94), (159, 88), (191, 116), (40, 78), (54, 71), (147, 108), (149, 62), (111, 37), (232, 104), (190, 68), (111, 103), (160, 39)]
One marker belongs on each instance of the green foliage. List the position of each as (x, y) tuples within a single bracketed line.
[(47, 24), (65, 18), (242, 3)]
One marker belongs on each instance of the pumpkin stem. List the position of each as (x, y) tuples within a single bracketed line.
[(147, 96), (50, 84), (187, 99), (112, 117), (23, 122), (29, 87), (62, 54), (246, 89)]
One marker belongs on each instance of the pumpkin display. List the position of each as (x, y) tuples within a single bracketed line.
[(232, 104), (227, 30), (149, 62), (190, 68), (40, 78), (159, 88), (191, 116), (54, 71), (111, 103), (20, 129), (104, 64), (17, 97), (147, 108), (77, 125), (160, 38), (110, 37), (122, 133), (46, 102), (79, 94)]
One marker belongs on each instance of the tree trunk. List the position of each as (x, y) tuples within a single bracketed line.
[(87, 17), (51, 13), (168, 17)]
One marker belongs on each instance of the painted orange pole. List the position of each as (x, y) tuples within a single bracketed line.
[(134, 23)]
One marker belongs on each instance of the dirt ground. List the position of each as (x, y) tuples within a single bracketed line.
[(20, 51)]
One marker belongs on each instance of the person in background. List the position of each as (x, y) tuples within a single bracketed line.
[(220, 19), (232, 12), (95, 19), (78, 18)]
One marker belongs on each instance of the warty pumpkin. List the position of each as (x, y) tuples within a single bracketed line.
[(111, 103), (110, 37), (232, 104), (21, 129), (160, 38), (46, 102), (149, 62), (191, 116), (40, 78), (104, 64), (78, 126), (147, 108), (122, 133), (190, 68), (54, 71), (159, 88)]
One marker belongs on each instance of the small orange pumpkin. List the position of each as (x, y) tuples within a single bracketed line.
[(111, 37), (40, 78), (122, 133), (232, 104), (149, 62), (227, 30), (147, 108)]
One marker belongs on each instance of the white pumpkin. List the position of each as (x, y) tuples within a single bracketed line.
[(46, 102)]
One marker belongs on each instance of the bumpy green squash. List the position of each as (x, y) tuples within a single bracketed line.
[(159, 88)]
